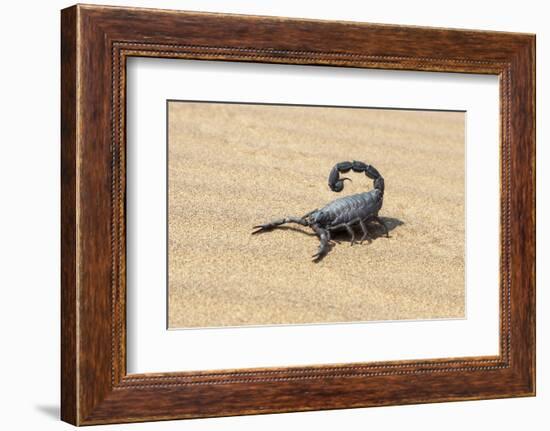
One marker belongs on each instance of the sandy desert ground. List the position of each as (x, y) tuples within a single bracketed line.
[(235, 166)]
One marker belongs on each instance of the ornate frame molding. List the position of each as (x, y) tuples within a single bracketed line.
[(96, 41)]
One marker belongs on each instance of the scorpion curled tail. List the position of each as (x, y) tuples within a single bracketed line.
[(336, 183)]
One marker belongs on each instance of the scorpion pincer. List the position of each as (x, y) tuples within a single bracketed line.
[(344, 213)]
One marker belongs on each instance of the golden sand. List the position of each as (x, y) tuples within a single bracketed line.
[(235, 166)]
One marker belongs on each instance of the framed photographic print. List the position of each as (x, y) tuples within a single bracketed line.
[(264, 214)]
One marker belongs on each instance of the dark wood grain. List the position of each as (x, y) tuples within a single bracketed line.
[(96, 41), (69, 398)]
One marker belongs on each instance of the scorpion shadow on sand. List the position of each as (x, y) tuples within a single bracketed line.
[(341, 236), (375, 231)]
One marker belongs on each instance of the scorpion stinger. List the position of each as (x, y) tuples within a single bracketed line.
[(343, 213), (336, 183)]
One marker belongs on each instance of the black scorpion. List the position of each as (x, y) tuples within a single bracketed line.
[(342, 213)]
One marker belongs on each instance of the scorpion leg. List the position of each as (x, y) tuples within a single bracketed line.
[(365, 231), (324, 238), (351, 232), (384, 225), (279, 222)]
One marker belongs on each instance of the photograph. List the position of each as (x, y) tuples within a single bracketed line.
[(299, 214)]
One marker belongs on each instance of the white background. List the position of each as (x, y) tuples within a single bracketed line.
[(151, 348), (29, 227)]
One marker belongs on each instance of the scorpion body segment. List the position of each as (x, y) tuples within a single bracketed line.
[(344, 213)]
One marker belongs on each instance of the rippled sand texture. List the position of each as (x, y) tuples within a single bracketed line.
[(234, 166)]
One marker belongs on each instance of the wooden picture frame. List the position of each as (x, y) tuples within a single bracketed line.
[(95, 43)]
